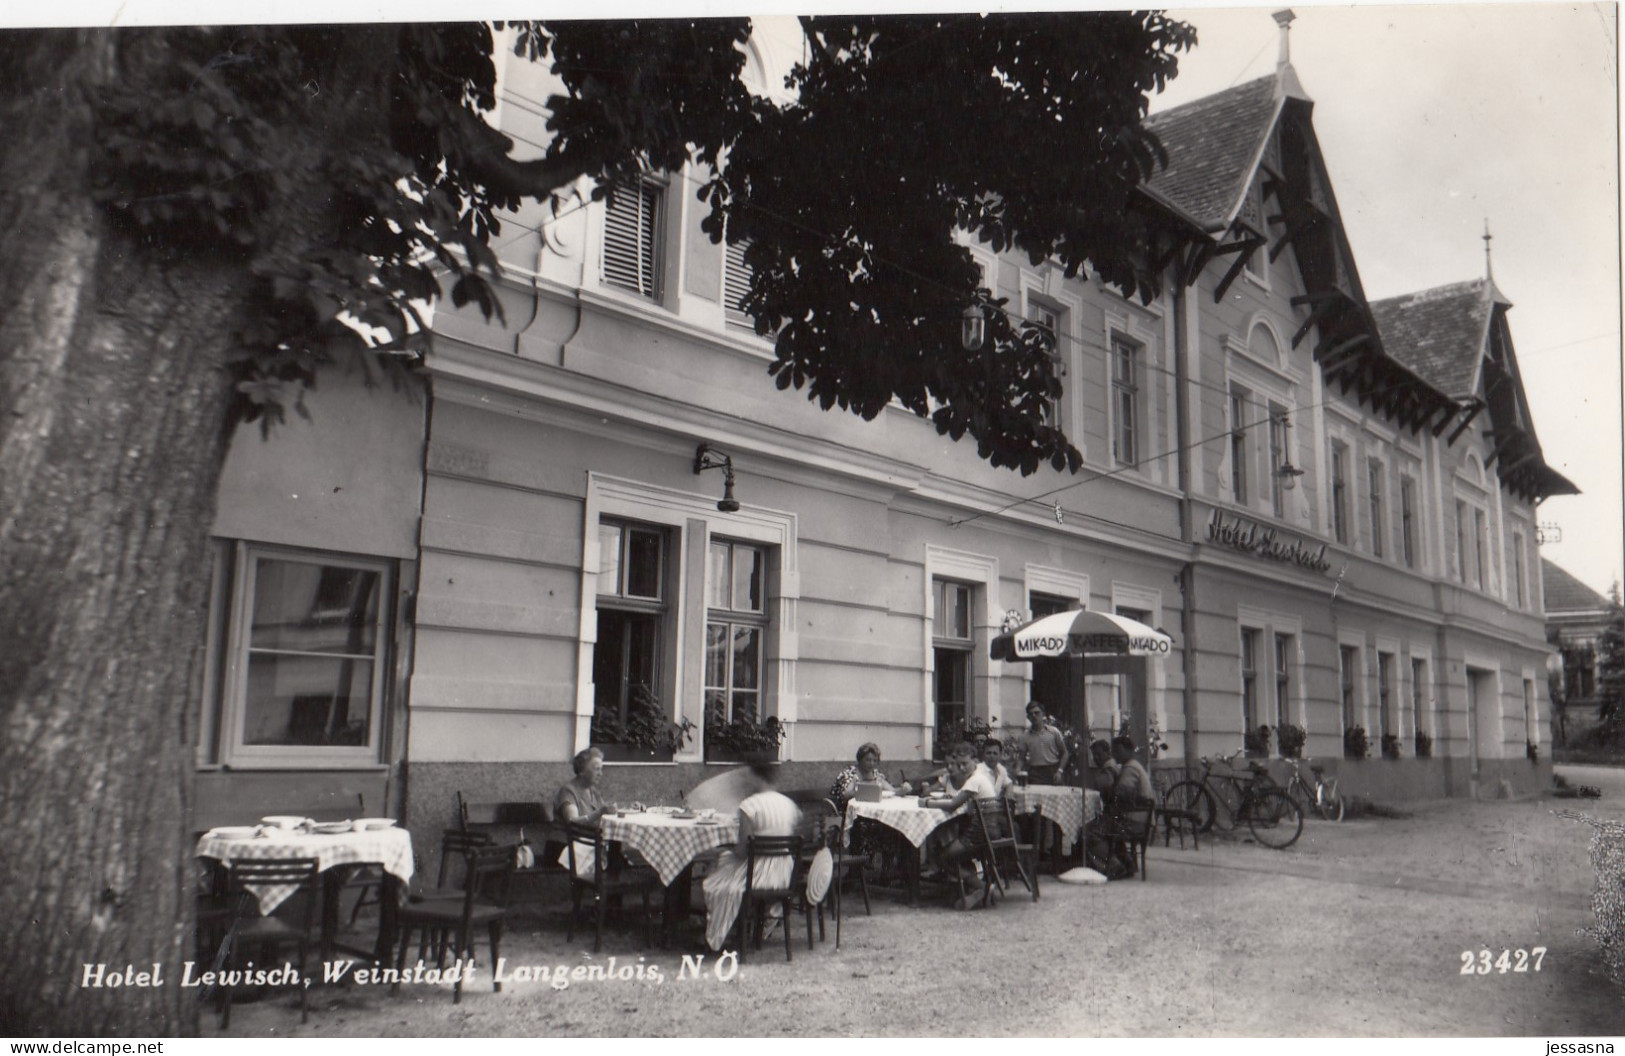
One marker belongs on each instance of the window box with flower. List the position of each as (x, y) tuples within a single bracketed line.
[(646, 734), (741, 738)]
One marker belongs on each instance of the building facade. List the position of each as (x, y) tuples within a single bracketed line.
[(1328, 503)]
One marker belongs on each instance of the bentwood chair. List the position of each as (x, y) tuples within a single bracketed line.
[(297, 927), (993, 833), (762, 850), (487, 869), (605, 880), (1131, 823)]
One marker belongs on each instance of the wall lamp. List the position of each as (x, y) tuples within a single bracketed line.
[(973, 323), (707, 457), (1286, 472)]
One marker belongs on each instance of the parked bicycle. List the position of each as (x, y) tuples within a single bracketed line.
[(1233, 796), (1322, 796)]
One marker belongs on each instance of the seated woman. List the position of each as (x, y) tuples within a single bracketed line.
[(867, 771), (763, 813), (578, 799)]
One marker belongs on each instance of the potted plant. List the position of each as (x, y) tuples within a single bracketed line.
[(1532, 750), (1257, 742), (1355, 745), (743, 738), (647, 734), (1390, 746), (976, 731), (1291, 740), (1424, 745)]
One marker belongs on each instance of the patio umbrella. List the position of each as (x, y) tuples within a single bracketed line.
[(1079, 632)]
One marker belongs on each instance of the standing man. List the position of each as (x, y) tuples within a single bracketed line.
[(1043, 747)]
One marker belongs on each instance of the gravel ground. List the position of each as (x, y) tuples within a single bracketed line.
[(1358, 930)]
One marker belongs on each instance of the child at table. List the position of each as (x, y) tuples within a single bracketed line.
[(972, 781), (993, 759)]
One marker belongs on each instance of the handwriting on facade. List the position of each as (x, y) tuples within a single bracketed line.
[(1265, 542)]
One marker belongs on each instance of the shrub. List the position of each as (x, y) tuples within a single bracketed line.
[(1355, 744), (1608, 897), (1390, 746), (1290, 739), (1424, 745), (1257, 742)]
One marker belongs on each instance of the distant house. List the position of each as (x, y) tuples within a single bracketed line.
[(1575, 618)]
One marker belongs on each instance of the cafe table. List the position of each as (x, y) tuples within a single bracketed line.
[(904, 815), (390, 848), (1070, 808), (668, 843)]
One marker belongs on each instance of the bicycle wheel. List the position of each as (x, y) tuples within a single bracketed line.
[(1299, 791), (1274, 820), (1189, 797), (1330, 803)]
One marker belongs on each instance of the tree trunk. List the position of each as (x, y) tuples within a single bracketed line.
[(112, 405)]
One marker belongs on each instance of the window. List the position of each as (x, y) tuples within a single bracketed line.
[(1130, 684), (1340, 492), (734, 626), (1374, 477), (1407, 521), (632, 244), (1579, 672), (1051, 322), (951, 643), (627, 663), (1518, 594), (1348, 669), (1125, 399), (1278, 457), (1480, 573), (1252, 716), (1284, 649), (1238, 445), (1462, 551), (306, 659), (1419, 696), (736, 275), (1387, 720)]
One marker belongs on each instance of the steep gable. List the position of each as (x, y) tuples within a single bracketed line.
[(1438, 333), (1213, 147)]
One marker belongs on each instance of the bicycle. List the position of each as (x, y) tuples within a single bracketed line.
[(1322, 795), (1252, 796)]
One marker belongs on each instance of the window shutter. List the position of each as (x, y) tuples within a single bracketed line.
[(630, 244), (735, 284)]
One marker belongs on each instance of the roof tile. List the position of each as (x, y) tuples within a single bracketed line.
[(1437, 333), (1564, 593), (1211, 145)]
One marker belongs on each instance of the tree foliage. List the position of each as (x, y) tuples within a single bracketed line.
[(345, 169), (1610, 649)]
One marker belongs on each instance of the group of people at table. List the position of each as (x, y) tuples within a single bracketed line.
[(764, 811)]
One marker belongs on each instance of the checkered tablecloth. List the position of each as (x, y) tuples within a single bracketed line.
[(390, 848), (902, 813), (667, 843), (1070, 808)]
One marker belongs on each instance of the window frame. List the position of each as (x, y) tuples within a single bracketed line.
[(1286, 647), (231, 718), (1280, 455), (1126, 354), (733, 619), (657, 608), (734, 269), (1338, 492), (1407, 519), (1252, 715), (951, 647), (1376, 485), (1239, 401)]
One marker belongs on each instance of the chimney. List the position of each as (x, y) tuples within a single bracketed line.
[(1283, 18)]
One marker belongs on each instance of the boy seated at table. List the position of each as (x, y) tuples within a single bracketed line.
[(993, 760), (972, 781)]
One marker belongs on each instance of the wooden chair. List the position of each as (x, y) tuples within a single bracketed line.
[(1129, 830), (525, 821), (607, 879), (992, 834), (751, 908), (487, 869), (297, 927), (847, 864)]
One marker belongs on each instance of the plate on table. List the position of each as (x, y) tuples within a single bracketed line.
[(372, 824), (708, 821), (332, 828), (685, 815), (284, 821), (233, 832)]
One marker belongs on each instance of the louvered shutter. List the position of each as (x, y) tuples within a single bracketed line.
[(631, 243), (735, 284)]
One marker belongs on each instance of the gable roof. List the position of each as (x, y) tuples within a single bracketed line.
[(1564, 593), (1438, 333), (1213, 147)]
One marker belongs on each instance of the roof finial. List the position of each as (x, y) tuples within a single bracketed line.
[(1283, 18), (1488, 274)]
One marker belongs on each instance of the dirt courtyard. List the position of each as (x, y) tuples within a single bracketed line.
[(1361, 929)]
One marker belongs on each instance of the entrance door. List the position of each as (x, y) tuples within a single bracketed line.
[(1483, 717), (1056, 681)]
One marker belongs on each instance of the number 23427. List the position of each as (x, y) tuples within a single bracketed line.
[(1485, 962)]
